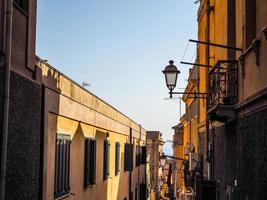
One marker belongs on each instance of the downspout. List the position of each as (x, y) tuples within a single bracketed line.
[(207, 84), (140, 149), (130, 172), (8, 9)]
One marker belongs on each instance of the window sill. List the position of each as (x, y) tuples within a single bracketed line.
[(64, 196)]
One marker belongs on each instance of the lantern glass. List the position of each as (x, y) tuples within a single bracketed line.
[(171, 75)]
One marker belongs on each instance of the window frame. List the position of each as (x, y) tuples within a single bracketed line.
[(22, 5), (62, 165)]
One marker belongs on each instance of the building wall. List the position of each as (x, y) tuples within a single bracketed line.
[(25, 97), (251, 76), (178, 151), (72, 110), (154, 151), (239, 146)]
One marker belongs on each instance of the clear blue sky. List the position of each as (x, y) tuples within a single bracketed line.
[(120, 48)]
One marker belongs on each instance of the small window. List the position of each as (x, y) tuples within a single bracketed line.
[(22, 4), (89, 162), (128, 157), (117, 158), (106, 159), (250, 22), (62, 165), (143, 155), (137, 156)]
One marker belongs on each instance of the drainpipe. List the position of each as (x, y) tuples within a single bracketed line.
[(8, 9), (140, 149), (130, 172), (207, 85)]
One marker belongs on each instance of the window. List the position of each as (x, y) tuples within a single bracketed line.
[(180, 138), (117, 158), (143, 191), (62, 165), (250, 22), (136, 194), (22, 4), (137, 156), (143, 155), (89, 162), (106, 159), (128, 157)]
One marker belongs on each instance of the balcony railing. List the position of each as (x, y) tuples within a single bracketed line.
[(223, 87)]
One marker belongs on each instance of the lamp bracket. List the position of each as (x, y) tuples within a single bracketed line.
[(196, 95), (216, 45)]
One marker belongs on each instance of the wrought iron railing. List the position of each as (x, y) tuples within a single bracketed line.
[(223, 83)]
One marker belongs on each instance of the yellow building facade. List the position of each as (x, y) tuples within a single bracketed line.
[(213, 26), (75, 119)]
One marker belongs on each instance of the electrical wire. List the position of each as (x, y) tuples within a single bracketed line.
[(185, 50)]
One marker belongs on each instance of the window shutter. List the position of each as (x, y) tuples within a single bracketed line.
[(137, 156), (143, 155), (106, 159), (89, 162), (93, 162), (62, 165), (117, 158), (143, 191), (128, 157)]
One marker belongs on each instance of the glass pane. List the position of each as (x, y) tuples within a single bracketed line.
[(171, 79)]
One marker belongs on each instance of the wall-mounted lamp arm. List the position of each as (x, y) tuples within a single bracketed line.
[(216, 45), (195, 64)]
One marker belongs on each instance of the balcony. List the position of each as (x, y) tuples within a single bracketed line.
[(223, 90)]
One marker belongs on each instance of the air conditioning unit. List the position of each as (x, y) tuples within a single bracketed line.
[(189, 196), (189, 147), (193, 161)]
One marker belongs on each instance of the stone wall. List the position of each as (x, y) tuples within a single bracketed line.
[(240, 152), (23, 154)]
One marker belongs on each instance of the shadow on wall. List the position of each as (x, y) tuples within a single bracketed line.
[(50, 104)]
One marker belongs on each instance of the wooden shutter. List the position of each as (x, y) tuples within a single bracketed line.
[(143, 154), (128, 157), (117, 158), (143, 191), (106, 159), (137, 156), (87, 166), (62, 165), (93, 162)]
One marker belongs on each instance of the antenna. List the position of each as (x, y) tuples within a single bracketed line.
[(197, 1), (85, 84)]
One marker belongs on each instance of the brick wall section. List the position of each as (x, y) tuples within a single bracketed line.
[(240, 152), (23, 158), (252, 132), (1, 103), (225, 165)]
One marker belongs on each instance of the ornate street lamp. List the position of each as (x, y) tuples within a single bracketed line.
[(171, 74)]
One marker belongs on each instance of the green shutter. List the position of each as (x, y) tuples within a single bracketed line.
[(106, 159), (117, 158), (128, 157), (143, 155)]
